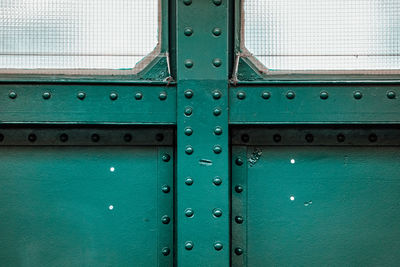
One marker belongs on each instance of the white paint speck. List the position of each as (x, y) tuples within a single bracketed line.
[(111, 207), (292, 198), (292, 161), (112, 169)]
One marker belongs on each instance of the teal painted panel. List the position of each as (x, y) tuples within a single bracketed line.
[(87, 103), (319, 206), (85, 206)]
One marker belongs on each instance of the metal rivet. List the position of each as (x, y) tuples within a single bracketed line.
[(113, 96), (95, 138), (188, 181), (245, 138), (239, 162), (165, 251), (217, 212), (63, 137), (217, 31), (241, 95), (218, 246), (189, 245), (46, 95), (218, 130), (238, 251), (187, 2), (159, 137), (324, 95), (32, 137), (357, 95), (189, 213), (217, 2), (340, 138), (373, 138), (162, 95), (127, 137), (166, 157), (217, 62), (189, 93), (138, 96), (217, 111), (216, 94), (290, 95), (188, 111), (188, 63), (277, 138), (391, 95), (165, 188), (239, 219), (81, 95), (165, 219), (239, 189), (12, 95), (189, 150), (188, 131), (217, 181), (217, 149), (188, 31), (309, 138), (266, 95), (1, 137)]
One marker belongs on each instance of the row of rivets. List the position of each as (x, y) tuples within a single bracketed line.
[(82, 95), (165, 219), (309, 138), (188, 31), (216, 181), (239, 219), (94, 137), (323, 95), (217, 62), (217, 245)]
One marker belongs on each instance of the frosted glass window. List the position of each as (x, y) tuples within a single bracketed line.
[(76, 34), (323, 34)]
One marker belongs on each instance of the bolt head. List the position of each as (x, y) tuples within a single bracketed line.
[(217, 181), (245, 138), (239, 219), (340, 138), (218, 246), (46, 95), (81, 95), (239, 189), (188, 131), (216, 94), (188, 111), (309, 138), (63, 137), (188, 63), (238, 251), (241, 95), (239, 162), (165, 188), (128, 137), (189, 150), (266, 95), (290, 95), (217, 31), (217, 212), (217, 2), (95, 138), (188, 31), (12, 95), (324, 95), (217, 62), (217, 111), (32, 137), (391, 95), (217, 149), (138, 96), (373, 138), (113, 96), (165, 219), (188, 181), (189, 213), (357, 95), (165, 251), (189, 245), (188, 93), (277, 138), (162, 96), (218, 130), (166, 157)]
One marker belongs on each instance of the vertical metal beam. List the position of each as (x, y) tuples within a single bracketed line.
[(202, 123)]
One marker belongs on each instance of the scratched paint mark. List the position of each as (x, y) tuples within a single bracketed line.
[(205, 162), (255, 156)]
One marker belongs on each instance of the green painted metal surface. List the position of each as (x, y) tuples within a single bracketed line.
[(85, 206)]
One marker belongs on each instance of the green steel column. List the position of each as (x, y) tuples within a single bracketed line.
[(202, 139)]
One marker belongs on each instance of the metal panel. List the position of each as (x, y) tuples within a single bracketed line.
[(202, 133), (100, 205), (306, 203)]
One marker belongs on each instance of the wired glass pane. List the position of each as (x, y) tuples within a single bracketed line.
[(323, 34), (76, 34)]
